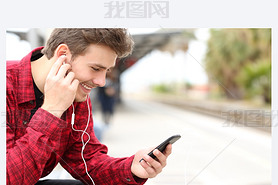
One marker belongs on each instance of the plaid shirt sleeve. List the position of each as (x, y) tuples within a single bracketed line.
[(27, 155), (103, 169)]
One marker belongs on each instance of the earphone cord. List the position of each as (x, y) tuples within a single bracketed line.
[(82, 137)]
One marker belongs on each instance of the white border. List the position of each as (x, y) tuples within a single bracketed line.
[(2, 106), (274, 104), (186, 14)]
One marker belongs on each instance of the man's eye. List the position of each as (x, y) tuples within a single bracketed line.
[(95, 69)]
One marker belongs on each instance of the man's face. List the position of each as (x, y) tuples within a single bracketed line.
[(90, 69)]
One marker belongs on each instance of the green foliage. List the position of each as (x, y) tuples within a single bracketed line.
[(256, 78), (237, 52), (161, 88)]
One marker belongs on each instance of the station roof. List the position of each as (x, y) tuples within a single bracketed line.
[(169, 40)]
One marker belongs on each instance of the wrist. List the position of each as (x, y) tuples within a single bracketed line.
[(137, 179), (57, 113)]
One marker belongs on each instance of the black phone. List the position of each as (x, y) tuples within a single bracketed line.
[(163, 145)]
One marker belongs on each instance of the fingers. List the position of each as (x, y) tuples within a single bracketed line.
[(63, 70), (155, 166), (69, 78), (160, 157), (149, 167), (59, 71), (151, 171), (75, 84), (56, 66), (60, 88), (168, 150)]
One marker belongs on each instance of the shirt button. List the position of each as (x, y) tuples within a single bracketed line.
[(24, 122), (31, 102), (128, 179)]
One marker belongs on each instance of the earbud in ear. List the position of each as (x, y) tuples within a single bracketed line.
[(64, 61)]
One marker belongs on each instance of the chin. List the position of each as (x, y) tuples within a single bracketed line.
[(79, 98)]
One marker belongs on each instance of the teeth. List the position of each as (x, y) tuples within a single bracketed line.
[(86, 87)]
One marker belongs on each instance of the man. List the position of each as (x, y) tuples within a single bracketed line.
[(44, 92)]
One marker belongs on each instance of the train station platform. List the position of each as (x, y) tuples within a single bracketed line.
[(209, 152)]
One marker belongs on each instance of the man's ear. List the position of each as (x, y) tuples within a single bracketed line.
[(62, 49)]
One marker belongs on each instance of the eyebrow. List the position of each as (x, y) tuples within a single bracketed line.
[(103, 67)]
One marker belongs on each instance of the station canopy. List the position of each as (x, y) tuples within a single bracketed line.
[(168, 40)]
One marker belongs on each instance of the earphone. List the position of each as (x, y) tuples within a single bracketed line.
[(82, 139), (83, 132)]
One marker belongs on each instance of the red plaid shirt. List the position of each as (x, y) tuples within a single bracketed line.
[(34, 147)]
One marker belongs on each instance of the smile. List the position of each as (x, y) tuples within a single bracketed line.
[(86, 86)]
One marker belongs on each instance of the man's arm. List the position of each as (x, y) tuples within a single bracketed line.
[(27, 156), (101, 167)]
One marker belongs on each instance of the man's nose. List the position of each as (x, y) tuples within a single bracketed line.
[(100, 80)]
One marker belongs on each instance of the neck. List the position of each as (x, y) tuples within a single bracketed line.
[(40, 69)]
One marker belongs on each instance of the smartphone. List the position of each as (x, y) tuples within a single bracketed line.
[(163, 145)]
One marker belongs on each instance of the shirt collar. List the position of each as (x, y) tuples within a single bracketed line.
[(25, 84)]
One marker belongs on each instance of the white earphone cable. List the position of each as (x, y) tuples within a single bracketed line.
[(82, 137)]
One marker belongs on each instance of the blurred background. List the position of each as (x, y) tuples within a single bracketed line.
[(212, 86)]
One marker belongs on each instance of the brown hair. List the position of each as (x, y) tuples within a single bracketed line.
[(78, 39)]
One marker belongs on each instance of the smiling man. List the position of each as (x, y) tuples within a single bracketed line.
[(49, 118)]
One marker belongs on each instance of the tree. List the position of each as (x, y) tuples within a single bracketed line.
[(234, 55)]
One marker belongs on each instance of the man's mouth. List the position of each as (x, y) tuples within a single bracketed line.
[(87, 86)]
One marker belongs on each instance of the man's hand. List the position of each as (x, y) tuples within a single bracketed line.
[(149, 167), (60, 88)]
